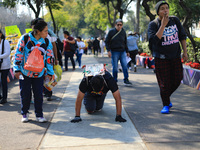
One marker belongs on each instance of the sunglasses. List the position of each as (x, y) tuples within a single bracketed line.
[(119, 24)]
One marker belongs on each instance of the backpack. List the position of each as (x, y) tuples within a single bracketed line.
[(35, 61), (26, 36), (1, 60), (73, 47), (150, 45)]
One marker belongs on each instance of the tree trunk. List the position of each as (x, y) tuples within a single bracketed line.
[(54, 24), (147, 10), (138, 16), (185, 25)]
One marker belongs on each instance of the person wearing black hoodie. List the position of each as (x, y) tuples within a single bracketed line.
[(164, 34)]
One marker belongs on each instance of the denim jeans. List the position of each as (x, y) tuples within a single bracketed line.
[(79, 56), (93, 103), (116, 56)]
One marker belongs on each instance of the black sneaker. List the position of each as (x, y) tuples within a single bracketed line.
[(135, 69), (3, 101), (127, 82), (48, 98)]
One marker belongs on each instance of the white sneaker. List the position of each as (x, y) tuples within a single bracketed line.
[(25, 118), (129, 68), (41, 119), (80, 67)]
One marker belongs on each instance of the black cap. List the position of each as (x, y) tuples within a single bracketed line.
[(157, 7)]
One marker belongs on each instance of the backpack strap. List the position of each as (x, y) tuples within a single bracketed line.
[(2, 46), (156, 21), (26, 36), (1, 61), (87, 81), (46, 41), (105, 82)]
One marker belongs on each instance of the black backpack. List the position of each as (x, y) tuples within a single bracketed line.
[(26, 36), (73, 47)]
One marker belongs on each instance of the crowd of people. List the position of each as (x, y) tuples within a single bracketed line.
[(93, 90)]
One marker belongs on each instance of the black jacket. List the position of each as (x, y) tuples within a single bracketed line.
[(118, 43), (168, 46)]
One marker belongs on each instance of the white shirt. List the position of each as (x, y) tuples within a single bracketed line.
[(102, 44), (5, 55), (51, 38), (81, 44)]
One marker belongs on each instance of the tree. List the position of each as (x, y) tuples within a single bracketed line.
[(188, 11), (147, 4), (130, 25), (115, 8), (138, 16), (95, 18), (35, 5), (22, 20), (69, 17)]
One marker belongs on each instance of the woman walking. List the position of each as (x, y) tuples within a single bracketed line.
[(4, 66)]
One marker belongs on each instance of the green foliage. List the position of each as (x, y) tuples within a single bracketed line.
[(143, 47), (177, 10), (130, 25), (35, 5), (190, 51), (96, 16)]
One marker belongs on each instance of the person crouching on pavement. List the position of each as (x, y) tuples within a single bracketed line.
[(93, 90)]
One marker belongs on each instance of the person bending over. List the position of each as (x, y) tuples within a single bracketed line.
[(93, 91)]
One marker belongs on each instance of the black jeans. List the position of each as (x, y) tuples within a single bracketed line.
[(132, 56), (4, 83), (71, 56)]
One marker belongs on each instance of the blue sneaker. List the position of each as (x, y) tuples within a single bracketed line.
[(165, 110), (170, 105)]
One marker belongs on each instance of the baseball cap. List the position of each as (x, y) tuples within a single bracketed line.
[(118, 20), (157, 7), (130, 32)]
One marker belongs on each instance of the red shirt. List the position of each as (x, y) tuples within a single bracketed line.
[(66, 44)]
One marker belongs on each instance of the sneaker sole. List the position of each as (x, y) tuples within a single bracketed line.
[(41, 121), (128, 84), (164, 112), (24, 121)]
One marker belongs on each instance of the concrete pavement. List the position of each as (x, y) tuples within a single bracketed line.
[(97, 131), (146, 128)]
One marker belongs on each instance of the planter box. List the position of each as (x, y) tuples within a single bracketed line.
[(191, 77)]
